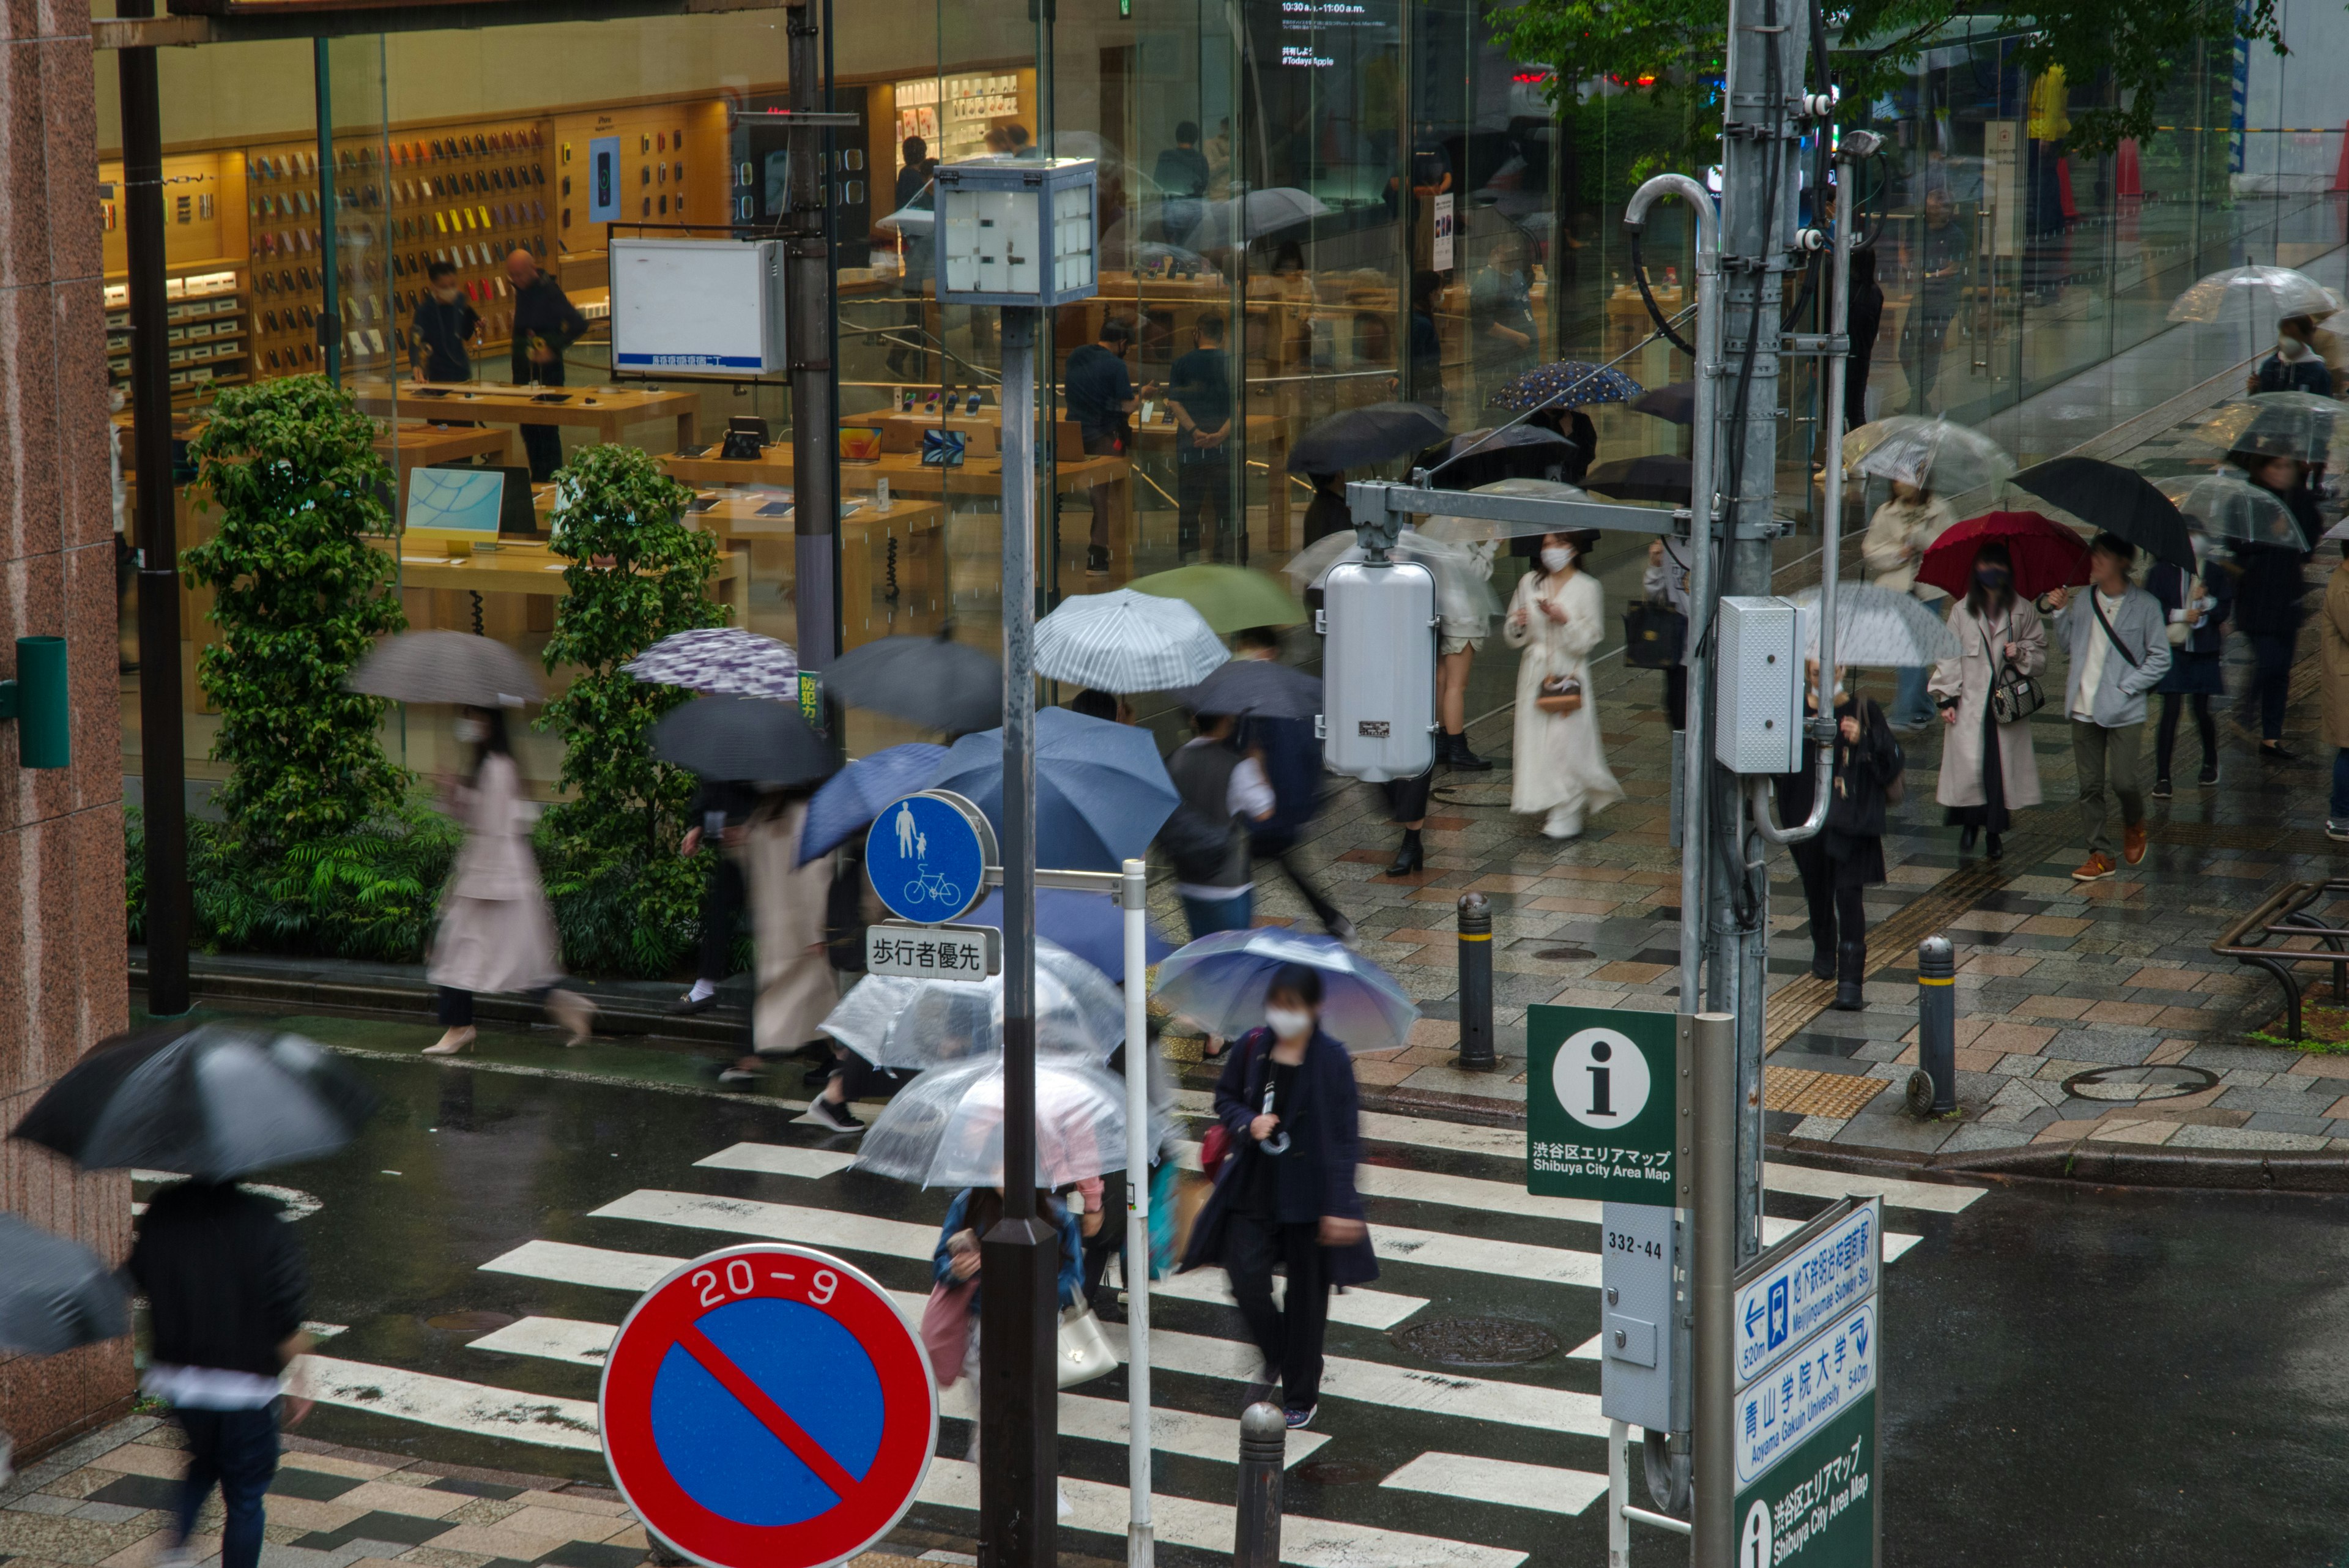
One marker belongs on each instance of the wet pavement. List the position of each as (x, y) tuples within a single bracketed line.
[(2074, 1377)]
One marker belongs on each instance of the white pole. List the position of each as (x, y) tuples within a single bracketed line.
[(1618, 1496), (1133, 888)]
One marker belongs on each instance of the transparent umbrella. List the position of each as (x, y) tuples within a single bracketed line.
[(1479, 530), (1930, 453), (893, 1021), (946, 1128), (2279, 424), (2226, 505), (2292, 293), (1877, 627)]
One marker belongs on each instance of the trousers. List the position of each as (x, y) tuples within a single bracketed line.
[(1289, 1336), (235, 1450), (721, 916), (2164, 738), (2109, 757), (2271, 681), (1837, 914)]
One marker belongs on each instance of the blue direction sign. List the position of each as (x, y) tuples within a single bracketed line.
[(1836, 1368), (1805, 1283), (927, 855)]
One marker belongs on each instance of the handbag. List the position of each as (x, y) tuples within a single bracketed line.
[(2179, 630), (1654, 635), (1559, 694), (1084, 1351), (946, 1329), (2014, 696)]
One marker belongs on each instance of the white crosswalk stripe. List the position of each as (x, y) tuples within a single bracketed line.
[(1542, 1487)]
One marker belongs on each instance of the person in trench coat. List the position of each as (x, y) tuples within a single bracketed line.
[(495, 931), (1559, 617), (2332, 668), (1999, 636), (795, 985)]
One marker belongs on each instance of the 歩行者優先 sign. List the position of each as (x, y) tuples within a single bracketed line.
[(1601, 1103), (933, 952), (927, 855), (1804, 1283), (1816, 1508)]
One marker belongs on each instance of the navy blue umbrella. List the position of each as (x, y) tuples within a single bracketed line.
[(1089, 925), (1102, 793), (854, 797)]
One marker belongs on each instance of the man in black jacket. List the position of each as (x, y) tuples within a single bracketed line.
[(546, 323), (226, 1287)]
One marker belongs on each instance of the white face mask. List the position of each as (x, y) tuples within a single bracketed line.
[(2293, 350), (1289, 1023), (1555, 557), (470, 730)]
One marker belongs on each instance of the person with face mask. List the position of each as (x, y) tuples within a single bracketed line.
[(2295, 366), (1987, 770), (495, 933), (1284, 1195), (1847, 856), (444, 324), (1557, 618)]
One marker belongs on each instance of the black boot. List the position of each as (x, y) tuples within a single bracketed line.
[(1456, 753), (1822, 963), (1851, 971), (1409, 855)]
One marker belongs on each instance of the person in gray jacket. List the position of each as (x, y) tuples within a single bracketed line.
[(2119, 650)]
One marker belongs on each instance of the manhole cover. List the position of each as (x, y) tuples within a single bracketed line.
[(1338, 1472), (1476, 1341), (468, 1322), (2135, 1085)]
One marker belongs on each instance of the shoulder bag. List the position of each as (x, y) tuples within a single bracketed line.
[(1083, 1352), (1653, 635), (2014, 696)]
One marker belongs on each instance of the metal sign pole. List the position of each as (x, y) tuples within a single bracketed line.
[(1712, 1284), (1133, 891)]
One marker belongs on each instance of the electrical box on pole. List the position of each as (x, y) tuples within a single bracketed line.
[(1758, 686), (1377, 689)]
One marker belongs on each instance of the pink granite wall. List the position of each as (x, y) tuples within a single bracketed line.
[(63, 971)]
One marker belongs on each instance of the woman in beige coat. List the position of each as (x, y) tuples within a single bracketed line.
[(496, 932), (787, 922), (1557, 616), (1987, 770), (2332, 666)]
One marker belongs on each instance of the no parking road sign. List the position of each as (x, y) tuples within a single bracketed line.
[(766, 1406)]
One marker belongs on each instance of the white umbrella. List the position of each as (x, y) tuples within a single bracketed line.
[(1876, 627), (2292, 293), (2226, 505), (1930, 453), (446, 666), (1464, 573), (894, 1022), (1481, 530), (946, 1128), (2278, 424), (724, 660), (1123, 641)]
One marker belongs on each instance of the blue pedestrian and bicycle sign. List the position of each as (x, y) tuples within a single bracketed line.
[(927, 855), (766, 1406)]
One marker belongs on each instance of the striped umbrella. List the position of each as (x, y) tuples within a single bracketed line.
[(1578, 381), (1124, 642), (723, 661)]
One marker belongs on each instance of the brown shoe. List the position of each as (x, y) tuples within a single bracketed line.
[(2095, 868), (2133, 843)]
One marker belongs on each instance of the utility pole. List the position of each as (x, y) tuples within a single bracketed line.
[(808, 335)]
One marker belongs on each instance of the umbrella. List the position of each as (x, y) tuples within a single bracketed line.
[(1253, 216), (2116, 500), (2226, 505), (1229, 598), (446, 666), (2047, 554), (1124, 641), (1220, 983), (1089, 925), (2292, 293), (933, 681), (1478, 530), (724, 660), (216, 1102), (1484, 457), (2278, 424), (1930, 453), (946, 1128), (1566, 383), (55, 1294), (1259, 687), (1676, 403), (915, 1025), (1358, 438), (746, 739), (850, 798), (1656, 476), (1876, 627), (1101, 793)]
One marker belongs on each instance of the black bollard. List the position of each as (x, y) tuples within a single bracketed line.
[(1263, 1444), (1933, 1088), (1476, 983)]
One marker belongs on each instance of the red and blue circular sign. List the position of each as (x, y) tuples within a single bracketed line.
[(766, 1406)]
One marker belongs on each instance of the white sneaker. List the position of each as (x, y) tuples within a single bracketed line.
[(2337, 831)]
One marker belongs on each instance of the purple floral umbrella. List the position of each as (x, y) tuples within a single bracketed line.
[(724, 660)]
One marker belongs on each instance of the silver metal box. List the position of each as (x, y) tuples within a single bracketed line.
[(1636, 1342), (1758, 686), (1017, 231), (1377, 683)]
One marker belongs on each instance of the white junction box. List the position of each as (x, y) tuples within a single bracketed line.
[(1758, 686), (1378, 685), (698, 307)]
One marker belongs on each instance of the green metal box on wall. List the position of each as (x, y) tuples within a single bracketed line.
[(40, 701)]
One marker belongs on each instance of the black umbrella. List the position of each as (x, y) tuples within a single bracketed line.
[(54, 1293), (1257, 688), (1483, 457), (1359, 437), (742, 739), (214, 1103), (1676, 402), (933, 681), (1654, 477), (2115, 500)]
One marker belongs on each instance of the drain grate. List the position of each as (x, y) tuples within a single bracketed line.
[(1476, 1341), (2139, 1086)]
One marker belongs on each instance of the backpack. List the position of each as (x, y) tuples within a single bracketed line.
[(1194, 844)]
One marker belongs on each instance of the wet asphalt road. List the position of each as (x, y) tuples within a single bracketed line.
[(2073, 1377)]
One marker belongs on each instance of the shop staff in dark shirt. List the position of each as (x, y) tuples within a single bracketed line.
[(1100, 396), (546, 323), (1200, 389), (444, 323)]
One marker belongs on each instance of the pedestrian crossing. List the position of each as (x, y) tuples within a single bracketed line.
[(1437, 1433)]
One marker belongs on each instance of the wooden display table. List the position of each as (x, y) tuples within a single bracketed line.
[(1268, 434), (608, 411), (526, 568), (893, 573)]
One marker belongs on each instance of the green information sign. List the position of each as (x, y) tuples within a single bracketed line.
[(1601, 1098), (1816, 1507)]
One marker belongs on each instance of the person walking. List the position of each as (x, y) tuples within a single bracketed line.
[(1465, 603), (227, 1290), (1100, 396), (1988, 772), (1896, 541), (950, 1323), (789, 907), (1291, 758), (495, 933), (915, 169), (1557, 616), (718, 811), (1503, 337), (2333, 657), (1219, 786), (2296, 364), (1284, 1195), (1665, 583), (2118, 652), (2197, 611), (2267, 593), (1846, 854), (1943, 248)]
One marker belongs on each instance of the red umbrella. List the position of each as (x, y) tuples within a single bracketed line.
[(2047, 554)]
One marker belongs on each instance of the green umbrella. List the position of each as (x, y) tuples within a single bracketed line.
[(1230, 598)]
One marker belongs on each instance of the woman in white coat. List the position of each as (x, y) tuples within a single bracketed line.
[(1556, 617), (496, 932), (1988, 772)]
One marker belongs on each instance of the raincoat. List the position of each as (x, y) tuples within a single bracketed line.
[(1965, 680), (787, 919)]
